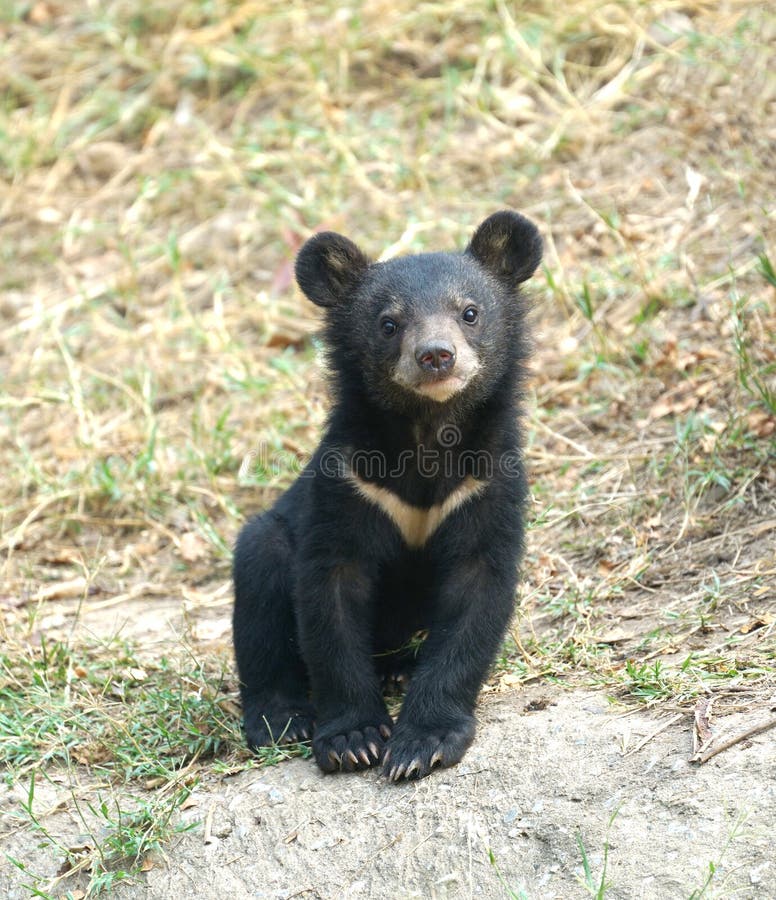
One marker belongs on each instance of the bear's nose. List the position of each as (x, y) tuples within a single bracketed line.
[(436, 357)]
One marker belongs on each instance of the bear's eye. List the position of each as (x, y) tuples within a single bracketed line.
[(470, 315), (389, 327)]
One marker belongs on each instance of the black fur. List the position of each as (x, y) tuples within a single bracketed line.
[(328, 590)]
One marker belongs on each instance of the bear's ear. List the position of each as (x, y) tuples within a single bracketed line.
[(328, 267), (508, 246)]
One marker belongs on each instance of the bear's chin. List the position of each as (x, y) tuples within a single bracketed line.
[(443, 390)]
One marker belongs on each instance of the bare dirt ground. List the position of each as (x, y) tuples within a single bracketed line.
[(550, 768), (160, 164)]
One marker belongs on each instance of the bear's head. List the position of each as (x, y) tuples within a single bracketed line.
[(430, 329)]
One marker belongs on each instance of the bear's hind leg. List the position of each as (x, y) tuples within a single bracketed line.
[(274, 685), (395, 667)]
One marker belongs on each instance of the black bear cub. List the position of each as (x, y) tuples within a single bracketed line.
[(409, 517)]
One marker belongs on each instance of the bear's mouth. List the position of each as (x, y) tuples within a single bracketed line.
[(441, 388)]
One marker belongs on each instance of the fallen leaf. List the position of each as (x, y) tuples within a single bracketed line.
[(231, 707), (73, 852), (211, 630), (144, 548), (538, 704), (703, 719), (680, 399), (694, 183), (614, 636), (91, 754), (755, 623), (39, 14), (75, 587), (62, 556), (760, 423), (192, 547)]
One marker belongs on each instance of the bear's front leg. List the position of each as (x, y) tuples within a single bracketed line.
[(335, 621), (436, 724)]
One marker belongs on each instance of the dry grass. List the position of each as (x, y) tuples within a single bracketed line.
[(161, 164)]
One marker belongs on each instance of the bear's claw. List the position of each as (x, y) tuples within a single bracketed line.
[(414, 751), (351, 749)]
